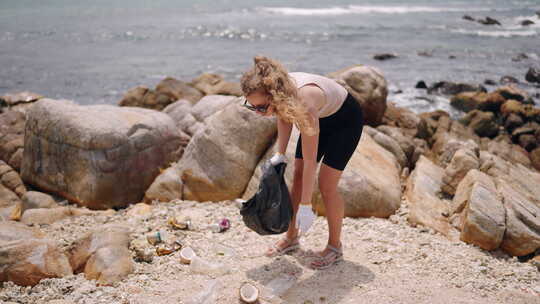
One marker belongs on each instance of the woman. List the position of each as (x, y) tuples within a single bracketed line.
[(330, 124)]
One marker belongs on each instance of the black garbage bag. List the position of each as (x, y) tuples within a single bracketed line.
[(269, 211)]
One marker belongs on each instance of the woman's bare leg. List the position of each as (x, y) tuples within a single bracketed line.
[(296, 194), (333, 203)]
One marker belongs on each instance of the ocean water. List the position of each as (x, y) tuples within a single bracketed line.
[(93, 51)]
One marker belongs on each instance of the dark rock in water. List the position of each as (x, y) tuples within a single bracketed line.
[(513, 121), (482, 123), (527, 142), (526, 22), (533, 75), (453, 88), (425, 53), (527, 129), (511, 92), (469, 18), (430, 100), (538, 14), (452, 57), (490, 82), (489, 21), (421, 85), (384, 56), (519, 57), (508, 79), (399, 91)]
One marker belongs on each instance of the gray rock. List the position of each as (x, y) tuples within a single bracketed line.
[(483, 123), (220, 159), (422, 193), (453, 88), (97, 156), (483, 218), (12, 138), (533, 75), (35, 199), (25, 262), (369, 88), (389, 144), (522, 236), (462, 161)]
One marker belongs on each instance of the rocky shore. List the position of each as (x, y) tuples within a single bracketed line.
[(438, 210)]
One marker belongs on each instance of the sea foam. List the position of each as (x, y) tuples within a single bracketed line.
[(363, 9)]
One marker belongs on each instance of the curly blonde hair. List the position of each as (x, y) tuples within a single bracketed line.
[(270, 76)]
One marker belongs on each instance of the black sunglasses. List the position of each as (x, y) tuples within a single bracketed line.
[(261, 109)]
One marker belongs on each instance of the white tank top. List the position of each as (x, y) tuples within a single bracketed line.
[(334, 92)]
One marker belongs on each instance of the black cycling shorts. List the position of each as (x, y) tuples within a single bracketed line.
[(339, 135)]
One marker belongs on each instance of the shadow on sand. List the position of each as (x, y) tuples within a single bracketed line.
[(334, 283)]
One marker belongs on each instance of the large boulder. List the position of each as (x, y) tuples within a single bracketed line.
[(20, 101), (134, 97), (167, 91), (462, 161), (180, 112), (483, 123), (11, 189), (191, 118), (369, 185), (403, 118), (12, 138), (469, 101), (522, 235), (389, 144), (97, 156), (369, 87), (166, 187), (510, 152), (11, 179), (405, 141), (521, 178), (12, 231), (212, 84), (175, 90), (483, 217), (25, 262), (422, 193), (429, 123), (103, 255), (513, 92), (220, 159)]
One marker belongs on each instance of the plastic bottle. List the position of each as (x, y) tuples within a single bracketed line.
[(199, 265), (279, 285), (208, 295)]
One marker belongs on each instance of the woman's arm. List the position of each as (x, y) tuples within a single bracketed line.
[(311, 96), (309, 153), (284, 133)]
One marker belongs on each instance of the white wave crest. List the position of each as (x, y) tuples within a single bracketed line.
[(502, 34), (357, 9)]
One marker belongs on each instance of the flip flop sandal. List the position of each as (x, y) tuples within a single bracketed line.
[(275, 250), (331, 258)]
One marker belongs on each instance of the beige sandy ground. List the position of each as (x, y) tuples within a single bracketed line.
[(386, 261)]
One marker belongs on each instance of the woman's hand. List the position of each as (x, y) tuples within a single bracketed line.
[(278, 158), (304, 218)]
